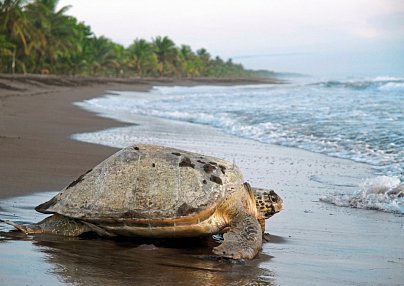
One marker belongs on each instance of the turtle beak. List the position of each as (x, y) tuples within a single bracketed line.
[(277, 201), (276, 204)]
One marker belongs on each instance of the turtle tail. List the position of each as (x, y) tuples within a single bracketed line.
[(54, 224), (25, 228), (59, 225)]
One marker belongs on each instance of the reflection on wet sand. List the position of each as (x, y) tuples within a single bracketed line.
[(54, 260), (123, 262), (58, 261)]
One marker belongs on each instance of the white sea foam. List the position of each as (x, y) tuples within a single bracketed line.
[(393, 86), (388, 78), (380, 193), (352, 119), (359, 120)]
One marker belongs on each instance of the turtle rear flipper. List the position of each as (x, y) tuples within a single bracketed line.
[(243, 240), (25, 228), (55, 224)]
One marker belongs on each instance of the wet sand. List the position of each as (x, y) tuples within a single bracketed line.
[(312, 243)]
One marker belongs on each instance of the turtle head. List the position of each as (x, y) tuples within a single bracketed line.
[(267, 202)]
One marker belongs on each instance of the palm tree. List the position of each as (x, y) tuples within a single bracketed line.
[(59, 33), (15, 27), (36, 34), (104, 56), (80, 60), (189, 61), (166, 53), (142, 57), (204, 58), (6, 51), (203, 55)]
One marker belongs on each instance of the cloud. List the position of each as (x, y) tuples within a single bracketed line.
[(390, 25), (250, 27)]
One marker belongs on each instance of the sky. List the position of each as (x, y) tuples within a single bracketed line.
[(318, 37)]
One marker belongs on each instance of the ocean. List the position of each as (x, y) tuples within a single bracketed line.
[(359, 119)]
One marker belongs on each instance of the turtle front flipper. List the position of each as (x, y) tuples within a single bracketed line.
[(55, 224), (243, 240)]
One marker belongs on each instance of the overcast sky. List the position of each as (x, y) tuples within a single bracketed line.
[(341, 37)]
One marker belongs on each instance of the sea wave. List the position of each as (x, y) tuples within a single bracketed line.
[(381, 82), (359, 120), (382, 193), (363, 125), (377, 83)]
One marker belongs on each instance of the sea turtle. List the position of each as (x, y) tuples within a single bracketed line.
[(156, 191)]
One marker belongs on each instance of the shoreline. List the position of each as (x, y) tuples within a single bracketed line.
[(322, 243), (37, 118)]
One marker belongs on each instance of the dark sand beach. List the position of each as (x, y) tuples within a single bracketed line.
[(37, 117), (312, 243)]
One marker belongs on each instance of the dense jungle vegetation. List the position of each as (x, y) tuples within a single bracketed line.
[(38, 37)]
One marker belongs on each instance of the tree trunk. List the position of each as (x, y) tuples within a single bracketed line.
[(13, 62)]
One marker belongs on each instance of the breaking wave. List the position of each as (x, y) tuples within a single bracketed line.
[(378, 83), (356, 119), (363, 125), (381, 193)]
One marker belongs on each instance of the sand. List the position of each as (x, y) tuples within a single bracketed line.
[(312, 243), (37, 118)]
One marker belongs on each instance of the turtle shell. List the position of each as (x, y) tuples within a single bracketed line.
[(150, 182)]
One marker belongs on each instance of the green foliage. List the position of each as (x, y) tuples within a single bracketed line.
[(35, 37), (141, 58)]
